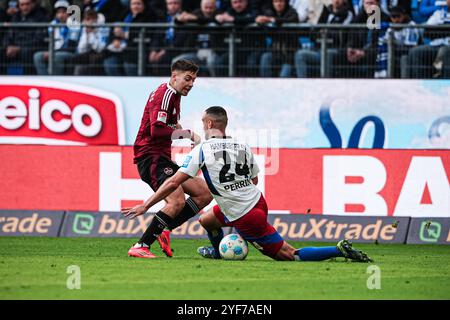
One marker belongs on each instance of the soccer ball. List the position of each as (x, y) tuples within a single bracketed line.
[(233, 247)]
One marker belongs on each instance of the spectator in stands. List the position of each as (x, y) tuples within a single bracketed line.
[(315, 9), (187, 5), (247, 54), (12, 7), (360, 57), (403, 40), (303, 9), (65, 41), (206, 14), (110, 9), (20, 45), (89, 56), (357, 6), (425, 60), (207, 42), (239, 13), (307, 61), (425, 9), (165, 46), (385, 5), (279, 57), (122, 51)]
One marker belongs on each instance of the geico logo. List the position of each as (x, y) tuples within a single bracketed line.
[(83, 117), (330, 230), (25, 225)]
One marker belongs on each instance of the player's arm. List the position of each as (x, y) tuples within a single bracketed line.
[(188, 169), (169, 186), (159, 117), (255, 180), (160, 129)]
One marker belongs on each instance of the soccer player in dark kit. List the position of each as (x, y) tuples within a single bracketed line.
[(152, 154)]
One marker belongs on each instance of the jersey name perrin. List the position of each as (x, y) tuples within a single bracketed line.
[(228, 168)]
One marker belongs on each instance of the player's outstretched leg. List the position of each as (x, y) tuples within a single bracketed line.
[(317, 253), (175, 213), (162, 220), (215, 234), (189, 210), (349, 252), (212, 252), (342, 249)]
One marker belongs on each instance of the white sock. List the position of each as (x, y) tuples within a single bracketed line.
[(140, 245)]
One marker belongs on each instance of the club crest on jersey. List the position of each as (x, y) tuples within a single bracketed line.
[(186, 161), (162, 116), (168, 171)]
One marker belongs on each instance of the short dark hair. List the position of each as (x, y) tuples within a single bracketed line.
[(90, 14), (218, 113), (397, 10), (184, 65)]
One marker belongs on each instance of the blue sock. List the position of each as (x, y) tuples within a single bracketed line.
[(215, 237), (317, 254)]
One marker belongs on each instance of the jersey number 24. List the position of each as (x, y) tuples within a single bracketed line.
[(241, 165)]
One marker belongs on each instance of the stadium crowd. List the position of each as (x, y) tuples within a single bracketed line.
[(265, 49)]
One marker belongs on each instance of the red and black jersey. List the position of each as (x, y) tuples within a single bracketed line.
[(161, 115)]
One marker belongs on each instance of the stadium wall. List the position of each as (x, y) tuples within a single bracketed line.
[(384, 153), (364, 229), (276, 113), (370, 182)]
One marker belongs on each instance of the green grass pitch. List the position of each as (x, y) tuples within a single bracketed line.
[(36, 268)]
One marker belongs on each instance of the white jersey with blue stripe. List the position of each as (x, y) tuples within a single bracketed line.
[(228, 167)]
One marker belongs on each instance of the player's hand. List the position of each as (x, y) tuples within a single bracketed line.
[(134, 212), (263, 19)]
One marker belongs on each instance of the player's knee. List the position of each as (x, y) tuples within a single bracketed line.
[(179, 205), (175, 205), (203, 196), (203, 221), (206, 221)]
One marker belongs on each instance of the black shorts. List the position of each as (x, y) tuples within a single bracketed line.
[(154, 170)]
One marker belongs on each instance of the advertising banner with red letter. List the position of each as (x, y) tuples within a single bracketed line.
[(56, 113), (320, 181), (274, 113)]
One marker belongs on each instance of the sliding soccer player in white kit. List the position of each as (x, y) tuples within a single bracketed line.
[(231, 174)]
